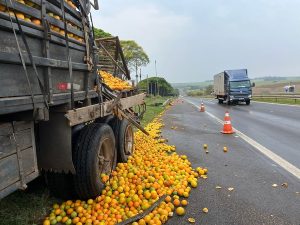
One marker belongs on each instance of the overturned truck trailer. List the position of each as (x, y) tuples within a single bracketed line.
[(57, 117)]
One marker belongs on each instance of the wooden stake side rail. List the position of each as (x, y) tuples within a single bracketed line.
[(92, 112)]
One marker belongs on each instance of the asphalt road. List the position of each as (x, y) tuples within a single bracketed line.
[(254, 200), (276, 127)]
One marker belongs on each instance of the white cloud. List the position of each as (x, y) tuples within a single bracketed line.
[(191, 39), (156, 29)]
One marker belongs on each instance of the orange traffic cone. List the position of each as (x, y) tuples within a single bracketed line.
[(227, 128), (202, 108)]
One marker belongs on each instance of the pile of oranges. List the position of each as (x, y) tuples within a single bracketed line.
[(114, 83), (154, 171), (36, 21)]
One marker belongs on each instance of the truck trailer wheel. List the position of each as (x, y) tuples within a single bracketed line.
[(228, 101), (125, 140), (94, 154), (220, 101)]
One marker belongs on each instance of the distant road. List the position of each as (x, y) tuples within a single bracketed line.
[(276, 127)]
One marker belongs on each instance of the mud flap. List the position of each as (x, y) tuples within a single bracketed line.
[(55, 144)]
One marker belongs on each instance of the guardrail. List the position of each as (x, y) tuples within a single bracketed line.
[(279, 97)]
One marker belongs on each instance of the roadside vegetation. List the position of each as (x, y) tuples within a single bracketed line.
[(154, 106), (27, 207), (279, 100), (204, 91)]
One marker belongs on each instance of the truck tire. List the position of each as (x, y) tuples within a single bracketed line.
[(247, 102), (125, 140), (60, 185), (220, 101), (94, 154)]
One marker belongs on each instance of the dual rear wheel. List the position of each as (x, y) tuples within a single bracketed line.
[(96, 151)]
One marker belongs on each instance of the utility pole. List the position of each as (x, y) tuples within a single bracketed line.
[(155, 84), (140, 74), (136, 73), (147, 85), (157, 87)]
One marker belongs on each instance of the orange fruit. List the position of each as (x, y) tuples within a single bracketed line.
[(46, 222), (20, 15), (194, 184), (168, 198), (2, 8), (184, 202), (180, 211), (57, 211), (176, 202), (64, 219), (36, 21), (153, 194), (75, 220)]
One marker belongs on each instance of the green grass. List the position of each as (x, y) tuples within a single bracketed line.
[(31, 206), (279, 101), (154, 107), (26, 207)]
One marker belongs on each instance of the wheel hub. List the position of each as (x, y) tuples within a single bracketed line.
[(105, 157), (128, 140)]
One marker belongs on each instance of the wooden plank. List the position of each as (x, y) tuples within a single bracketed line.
[(5, 129), (9, 171), (23, 137), (88, 113), (28, 161), (22, 125), (7, 146), (129, 102), (14, 58), (14, 186), (85, 114)]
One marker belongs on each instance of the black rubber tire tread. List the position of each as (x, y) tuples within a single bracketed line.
[(60, 185), (248, 102), (87, 180), (122, 157), (228, 101)]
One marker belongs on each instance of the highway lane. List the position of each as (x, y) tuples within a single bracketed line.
[(277, 127), (254, 200)]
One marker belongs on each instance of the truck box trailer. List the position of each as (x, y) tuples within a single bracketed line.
[(233, 86), (57, 117)]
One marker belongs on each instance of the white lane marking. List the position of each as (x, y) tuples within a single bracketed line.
[(267, 152), (271, 103)]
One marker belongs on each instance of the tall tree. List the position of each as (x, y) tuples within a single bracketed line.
[(99, 33), (134, 54)]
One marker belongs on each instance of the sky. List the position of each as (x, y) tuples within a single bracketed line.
[(191, 40)]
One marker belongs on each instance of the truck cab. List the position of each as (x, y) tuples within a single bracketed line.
[(233, 86), (239, 87)]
